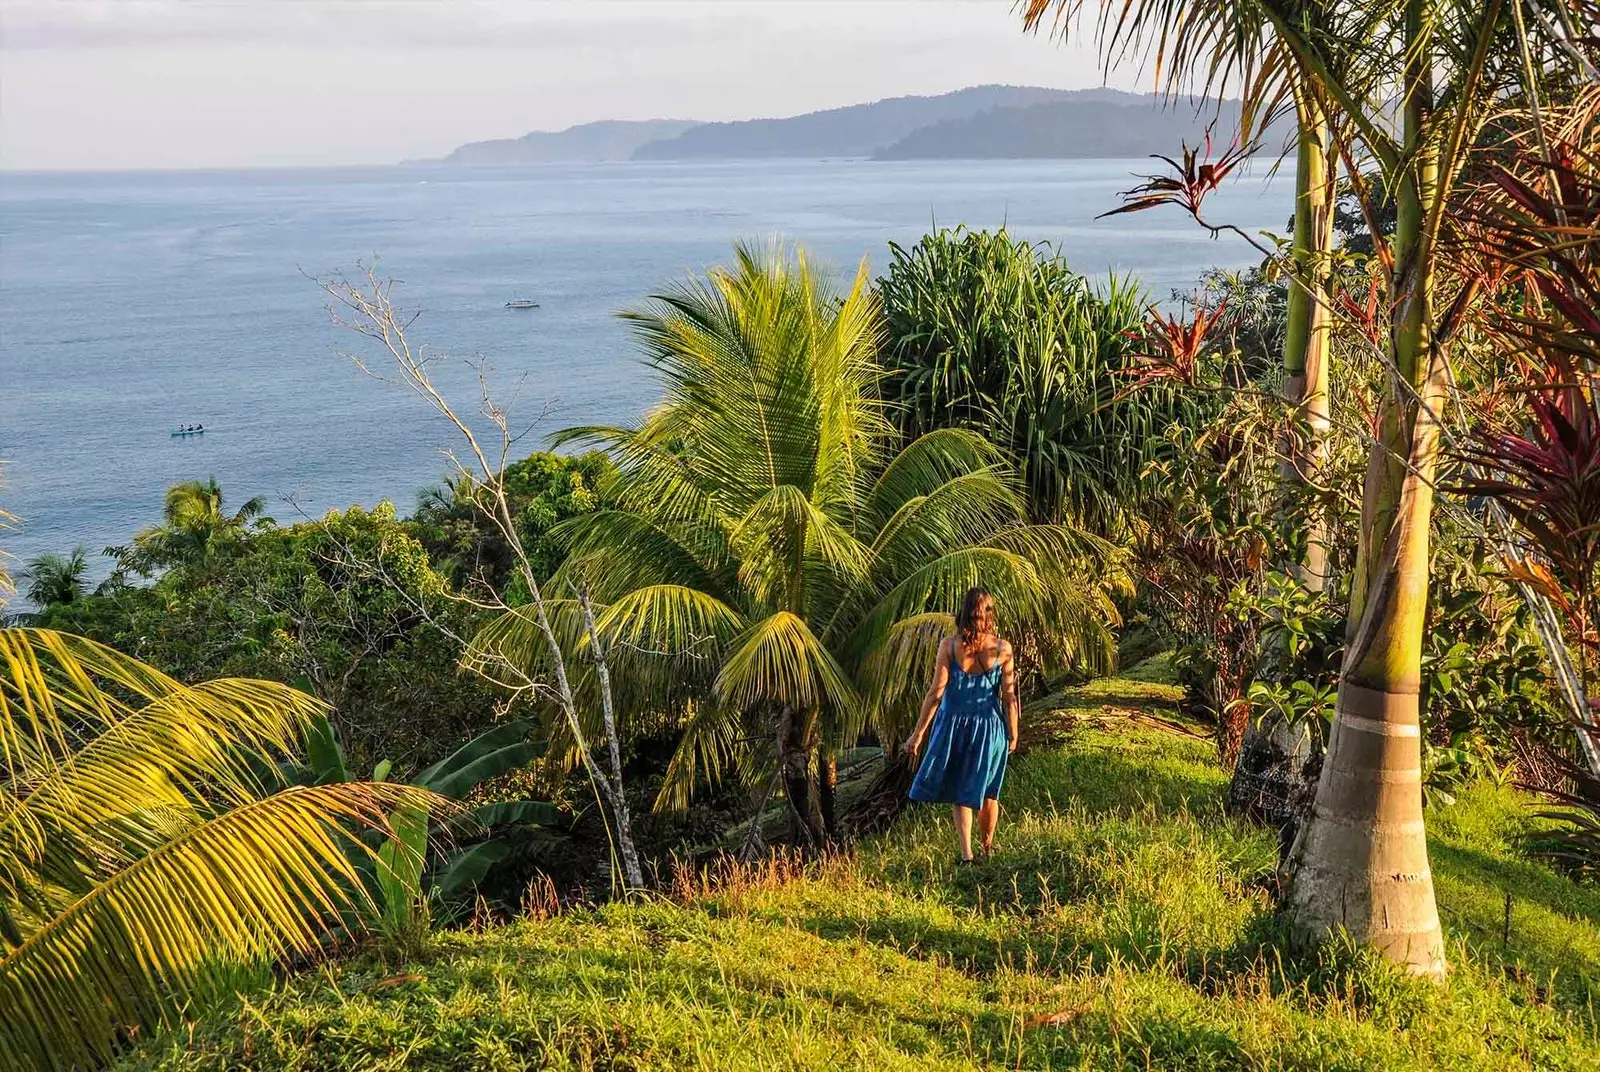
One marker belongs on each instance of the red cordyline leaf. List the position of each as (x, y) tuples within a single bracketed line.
[(1193, 179), (1548, 478), (1365, 313), (1176, 346), (1528, 232)]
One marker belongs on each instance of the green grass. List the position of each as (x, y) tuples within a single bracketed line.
[(1121, 924)]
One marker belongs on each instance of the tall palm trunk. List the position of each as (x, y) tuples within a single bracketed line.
[(1310, 322), (828, 792), (1361, 862), (794, 761), (1267, 775)]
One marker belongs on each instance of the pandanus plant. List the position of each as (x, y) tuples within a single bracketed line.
[(988, 332)]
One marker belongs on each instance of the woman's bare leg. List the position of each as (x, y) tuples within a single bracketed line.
[(963, 817), (988, 819)]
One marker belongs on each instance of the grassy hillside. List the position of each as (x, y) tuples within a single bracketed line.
[(1122, 923)]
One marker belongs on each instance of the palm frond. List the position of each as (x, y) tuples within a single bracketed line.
[(927, 463), (710, 741), (669, 620), (897, 669), (779, 661), (259, 882)]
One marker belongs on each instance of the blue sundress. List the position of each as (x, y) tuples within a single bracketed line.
[(964, 760)]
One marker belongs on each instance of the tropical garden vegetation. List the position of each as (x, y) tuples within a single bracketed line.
[(1333, 518)]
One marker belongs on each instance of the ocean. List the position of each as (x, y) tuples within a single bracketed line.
[(133, 303)]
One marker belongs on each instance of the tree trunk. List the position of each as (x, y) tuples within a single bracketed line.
[(1361, 862), (1309, 325), (827, 792), (794, 760), (632, 873), (1269, 772)]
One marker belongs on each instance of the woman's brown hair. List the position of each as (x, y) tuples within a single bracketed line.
[(967, 616)]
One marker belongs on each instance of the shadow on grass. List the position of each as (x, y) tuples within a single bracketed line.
[(1551, 936), (1524, 880), (1103, 780), (1117, 693)]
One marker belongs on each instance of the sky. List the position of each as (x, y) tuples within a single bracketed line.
[(112, 84)]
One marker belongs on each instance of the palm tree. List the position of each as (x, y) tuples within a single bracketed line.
[(1211, 44), (1413, 85), (195, 527), (1447, 67), (142, 855), (53, 578), (779, 562)]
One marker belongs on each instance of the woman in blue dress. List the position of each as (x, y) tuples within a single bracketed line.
[(972, 709)]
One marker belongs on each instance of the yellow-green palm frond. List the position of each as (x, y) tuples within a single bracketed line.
[(709, 745), (964, 510), (663, 641), (126, 787), (782, 534), (670, 620), (512, 647), (653, 475), (94, 745), (849, 374), (621, 550), (769, 378), (941, 582), (779, 662), (259, 882), (925, 464), (898, 668)]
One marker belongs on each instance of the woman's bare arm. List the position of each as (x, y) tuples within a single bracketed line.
[(930, 701), (1008, 693)]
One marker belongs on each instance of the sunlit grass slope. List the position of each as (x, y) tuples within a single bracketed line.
[(1123, 923)]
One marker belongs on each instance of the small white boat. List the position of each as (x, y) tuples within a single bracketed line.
[(522, 303), (182, 432)]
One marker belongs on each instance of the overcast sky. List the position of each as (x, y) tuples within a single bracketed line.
[(214, 83)]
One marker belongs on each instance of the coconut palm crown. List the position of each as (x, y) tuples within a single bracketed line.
[(195, 527), (778, 552)]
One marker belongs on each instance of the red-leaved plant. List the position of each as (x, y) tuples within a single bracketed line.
[(1174, 347)]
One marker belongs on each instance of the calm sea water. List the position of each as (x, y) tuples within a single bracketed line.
[(132, 303)]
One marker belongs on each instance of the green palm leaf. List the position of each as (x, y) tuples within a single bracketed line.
[(779, 661), (928, 462), (669, 619), (261, 881), (709, 744)]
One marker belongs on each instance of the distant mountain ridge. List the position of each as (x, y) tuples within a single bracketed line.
[(980, 122), (609, 139), (1066, 129), (856, 130)]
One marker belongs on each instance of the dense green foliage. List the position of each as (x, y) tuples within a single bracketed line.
[(995, 334), (195, 529), (1121, 925), (778, 555), (347, 605), (542, 490)]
